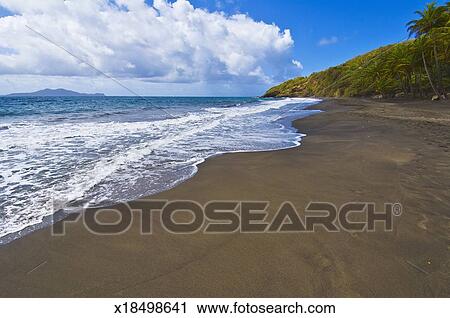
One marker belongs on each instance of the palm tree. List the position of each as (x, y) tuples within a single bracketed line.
[(431, 18), (422, 44), (417, 65)]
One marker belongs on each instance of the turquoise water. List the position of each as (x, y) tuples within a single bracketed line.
[(60, 153)]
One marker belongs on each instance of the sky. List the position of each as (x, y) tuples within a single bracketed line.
[(187, 48)]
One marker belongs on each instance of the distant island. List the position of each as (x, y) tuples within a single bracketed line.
[(59, 92)]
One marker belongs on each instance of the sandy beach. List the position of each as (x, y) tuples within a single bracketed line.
[(357, 150)]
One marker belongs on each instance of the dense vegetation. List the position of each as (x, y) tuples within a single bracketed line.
[(417, 67)]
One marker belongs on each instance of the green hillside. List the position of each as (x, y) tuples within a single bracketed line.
[(418, 67)]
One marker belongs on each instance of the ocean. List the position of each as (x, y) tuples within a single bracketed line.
[(60, 153)]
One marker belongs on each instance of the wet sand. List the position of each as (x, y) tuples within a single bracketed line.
[(358, 150)]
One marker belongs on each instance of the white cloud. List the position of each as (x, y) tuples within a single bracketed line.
[(220, 4), (166, 42), (298, 64), (328, 41)]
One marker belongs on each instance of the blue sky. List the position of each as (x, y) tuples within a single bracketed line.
[(192, 52)]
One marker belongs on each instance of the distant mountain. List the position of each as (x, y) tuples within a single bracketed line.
[(59, 92)]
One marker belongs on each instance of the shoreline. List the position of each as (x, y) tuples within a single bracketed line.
[(59, 215), (356, 150)]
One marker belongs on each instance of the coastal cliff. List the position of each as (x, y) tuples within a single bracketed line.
[(393, 70)]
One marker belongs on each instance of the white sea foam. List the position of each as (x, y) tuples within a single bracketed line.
[(121, 160)]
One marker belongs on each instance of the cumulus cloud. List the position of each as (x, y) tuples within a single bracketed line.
[(163, 42), (298, 64), (328, 41)]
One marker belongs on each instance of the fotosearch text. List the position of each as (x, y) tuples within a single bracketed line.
[(217, 217)]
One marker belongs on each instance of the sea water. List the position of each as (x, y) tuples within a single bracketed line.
[(101, 150)]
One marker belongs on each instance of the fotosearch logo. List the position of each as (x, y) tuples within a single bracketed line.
[(216, 217)]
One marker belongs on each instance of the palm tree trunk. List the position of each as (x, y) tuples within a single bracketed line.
[(428, 74), (420, 82), (438, 69)]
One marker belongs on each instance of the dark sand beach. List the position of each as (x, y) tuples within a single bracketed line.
[(357, 150)]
